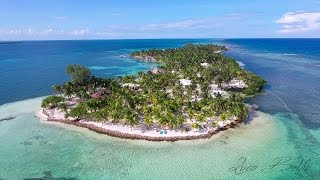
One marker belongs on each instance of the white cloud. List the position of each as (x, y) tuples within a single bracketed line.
[(51, 31), (48, 31), (184, 24), (31, 33), (13, 32), (27, 31), (299, 22), (181, 28), (80, 32), (61, 17), (196, 23)]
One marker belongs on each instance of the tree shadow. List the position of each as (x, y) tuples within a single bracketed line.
[(252, 114)]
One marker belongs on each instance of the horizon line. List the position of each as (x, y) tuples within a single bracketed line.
[(93, 39)]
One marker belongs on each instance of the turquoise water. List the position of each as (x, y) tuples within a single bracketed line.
[(70, 152), (281, 143)]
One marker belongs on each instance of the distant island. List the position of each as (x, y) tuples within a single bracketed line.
[(194, 93)]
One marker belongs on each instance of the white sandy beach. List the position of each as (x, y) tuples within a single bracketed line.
[(139, 129)]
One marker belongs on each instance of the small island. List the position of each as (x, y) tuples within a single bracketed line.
[(194, 93)]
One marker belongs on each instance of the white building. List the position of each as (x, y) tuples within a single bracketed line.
[(185, 82)]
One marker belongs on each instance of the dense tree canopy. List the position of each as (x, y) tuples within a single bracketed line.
[(52, 101), (79, 74), (159, 97)]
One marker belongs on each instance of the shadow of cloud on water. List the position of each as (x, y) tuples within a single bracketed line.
[(48, 176)]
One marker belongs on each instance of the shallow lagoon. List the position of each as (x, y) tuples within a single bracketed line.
[(31, 147)]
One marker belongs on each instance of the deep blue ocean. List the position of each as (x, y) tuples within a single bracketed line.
[(290, 102), (292, 69), (29, 69)]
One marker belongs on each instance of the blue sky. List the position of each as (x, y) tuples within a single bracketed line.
[(125, 19)]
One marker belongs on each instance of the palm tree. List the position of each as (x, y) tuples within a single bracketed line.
[(78, 112), (130, 117), (223, 116), (190, 113), (67, 89), (147, 121), (52, 102), (193, 126), (153, 103), (99, 115), (201, 118), (180, 120), (57, 89)]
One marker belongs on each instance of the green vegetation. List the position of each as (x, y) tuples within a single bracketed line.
[(255, 83), (160, 98), (52, 101), (79, 74)]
